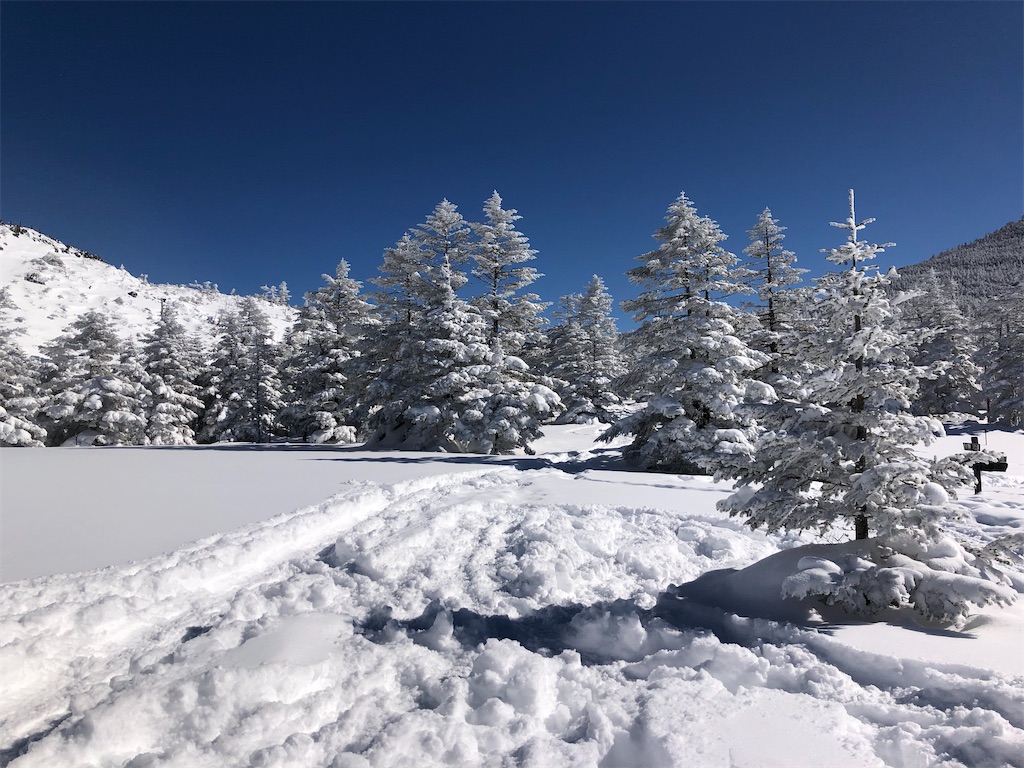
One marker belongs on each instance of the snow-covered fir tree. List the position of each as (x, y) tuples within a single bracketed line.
[(693, 363), (773, 273), (567, 344), (499, 256), (172, 367), (398, 298), (845, 455), (439, 384), (95, 386), (948, 350), (1003, 379), (20, 401), (324, 363), (585, 356), (407, 280), (276, 294), (418, 396), (507, 408), (443, 245), (242, 389)]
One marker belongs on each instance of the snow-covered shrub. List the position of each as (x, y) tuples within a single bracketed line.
[(934, 578)]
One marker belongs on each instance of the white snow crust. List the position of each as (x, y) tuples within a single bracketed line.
[(339, 607)]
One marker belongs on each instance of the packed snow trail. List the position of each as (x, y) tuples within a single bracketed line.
[(473, 619), (104, 616)]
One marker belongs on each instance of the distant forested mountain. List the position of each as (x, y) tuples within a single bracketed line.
[(988, 268)]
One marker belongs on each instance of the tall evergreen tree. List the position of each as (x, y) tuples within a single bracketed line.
[(95, 386), (324, 365), (443, 245), (243, 390), (439, 384), (586, 358), (773, 273), (948, 351), (172, 367), (1003, 379), (845, 454), (500, 255), (20, 401), (417, 398), (693, 362)]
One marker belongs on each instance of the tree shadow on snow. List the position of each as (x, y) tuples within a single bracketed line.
[(573, 466), (600, 633)]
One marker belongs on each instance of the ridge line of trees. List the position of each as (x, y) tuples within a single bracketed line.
[(809, 398), (412, 364)]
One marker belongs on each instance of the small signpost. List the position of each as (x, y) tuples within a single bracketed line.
[(983, 466)]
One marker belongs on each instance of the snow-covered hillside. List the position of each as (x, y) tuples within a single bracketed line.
[(984, 271), (48, 285), (441, 609)]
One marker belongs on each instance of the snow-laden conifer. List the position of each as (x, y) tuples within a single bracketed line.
[(845, 456), (506, 409), (694, 365), (95, 386), (1003, 380), (243, 389), (324, 363), (948, 351), (88, 347), (172, 368), (443, 245), (499, 256), (410, 287), (585, 356), (416, 399), (438, 384), (20, 401), (773, 273)]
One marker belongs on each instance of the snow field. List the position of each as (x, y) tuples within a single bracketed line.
[(519, 611)]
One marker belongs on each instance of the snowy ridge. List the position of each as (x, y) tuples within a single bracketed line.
[(983, 271), (519, 611), (49, 285)]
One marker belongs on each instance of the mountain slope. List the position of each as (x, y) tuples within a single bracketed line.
[(989, 267), (46, 285)]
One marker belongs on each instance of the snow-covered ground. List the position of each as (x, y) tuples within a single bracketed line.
[(336, 607)]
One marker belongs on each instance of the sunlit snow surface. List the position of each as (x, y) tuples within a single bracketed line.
[(426, 609)]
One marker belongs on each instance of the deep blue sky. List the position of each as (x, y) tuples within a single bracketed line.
[(249, 143)]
